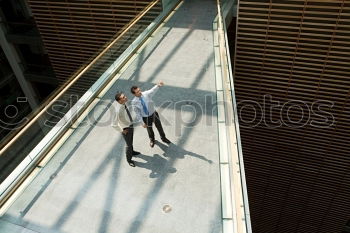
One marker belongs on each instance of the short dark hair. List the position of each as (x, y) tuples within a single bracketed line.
[(118, 95), (133, 88)]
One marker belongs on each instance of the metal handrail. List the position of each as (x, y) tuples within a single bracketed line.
[(73, 81)]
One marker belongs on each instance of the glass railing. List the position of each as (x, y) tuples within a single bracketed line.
[(239, 196), (35, 134)]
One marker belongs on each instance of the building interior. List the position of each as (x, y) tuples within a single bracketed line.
[(255, 102)]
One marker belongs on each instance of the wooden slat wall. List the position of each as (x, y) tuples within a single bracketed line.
[(75, 31), (298, 177)]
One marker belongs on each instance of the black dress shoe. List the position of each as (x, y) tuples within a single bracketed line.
[(135, 153), (151, 143), (131, 163), (166, 140)]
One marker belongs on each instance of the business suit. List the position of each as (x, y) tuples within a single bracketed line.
[(123, 123)]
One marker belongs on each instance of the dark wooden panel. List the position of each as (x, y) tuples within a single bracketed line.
[(74, 32), (297, 173)]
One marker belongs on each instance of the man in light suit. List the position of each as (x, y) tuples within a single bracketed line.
[(144, 108), (123, 123)]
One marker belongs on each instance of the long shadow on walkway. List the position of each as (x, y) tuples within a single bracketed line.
[(63, 163), (110, 194), (156, 164), (176, 152), (87, 186)]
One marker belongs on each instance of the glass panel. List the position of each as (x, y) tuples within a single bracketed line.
[(37, 130)]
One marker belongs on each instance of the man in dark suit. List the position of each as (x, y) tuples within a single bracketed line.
[(144, 108), (123, 123)]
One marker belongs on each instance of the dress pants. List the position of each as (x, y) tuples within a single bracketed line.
[(128, 137), (149, 121)]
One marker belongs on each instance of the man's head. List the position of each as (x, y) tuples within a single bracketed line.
[(121, 98), (136, 91)]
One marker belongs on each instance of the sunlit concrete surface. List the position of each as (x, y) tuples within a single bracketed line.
[(88, 185)]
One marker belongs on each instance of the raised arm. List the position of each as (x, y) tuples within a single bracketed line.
[(154, 89)]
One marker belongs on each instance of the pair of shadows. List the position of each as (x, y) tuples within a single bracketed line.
[(159, 166)]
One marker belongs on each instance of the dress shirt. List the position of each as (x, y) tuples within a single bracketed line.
[(147, 97), (121, 119)]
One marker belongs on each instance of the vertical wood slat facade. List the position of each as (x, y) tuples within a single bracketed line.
[(74, 31), (295, 53)]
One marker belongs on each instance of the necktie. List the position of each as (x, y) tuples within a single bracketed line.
[(144, 106), (129, 115)]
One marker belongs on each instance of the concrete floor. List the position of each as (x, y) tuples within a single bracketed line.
[(88, 186)]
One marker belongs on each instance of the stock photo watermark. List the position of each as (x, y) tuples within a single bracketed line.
[(268, 112)]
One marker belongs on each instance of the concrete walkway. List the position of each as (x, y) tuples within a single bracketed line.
[(88, 186)]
